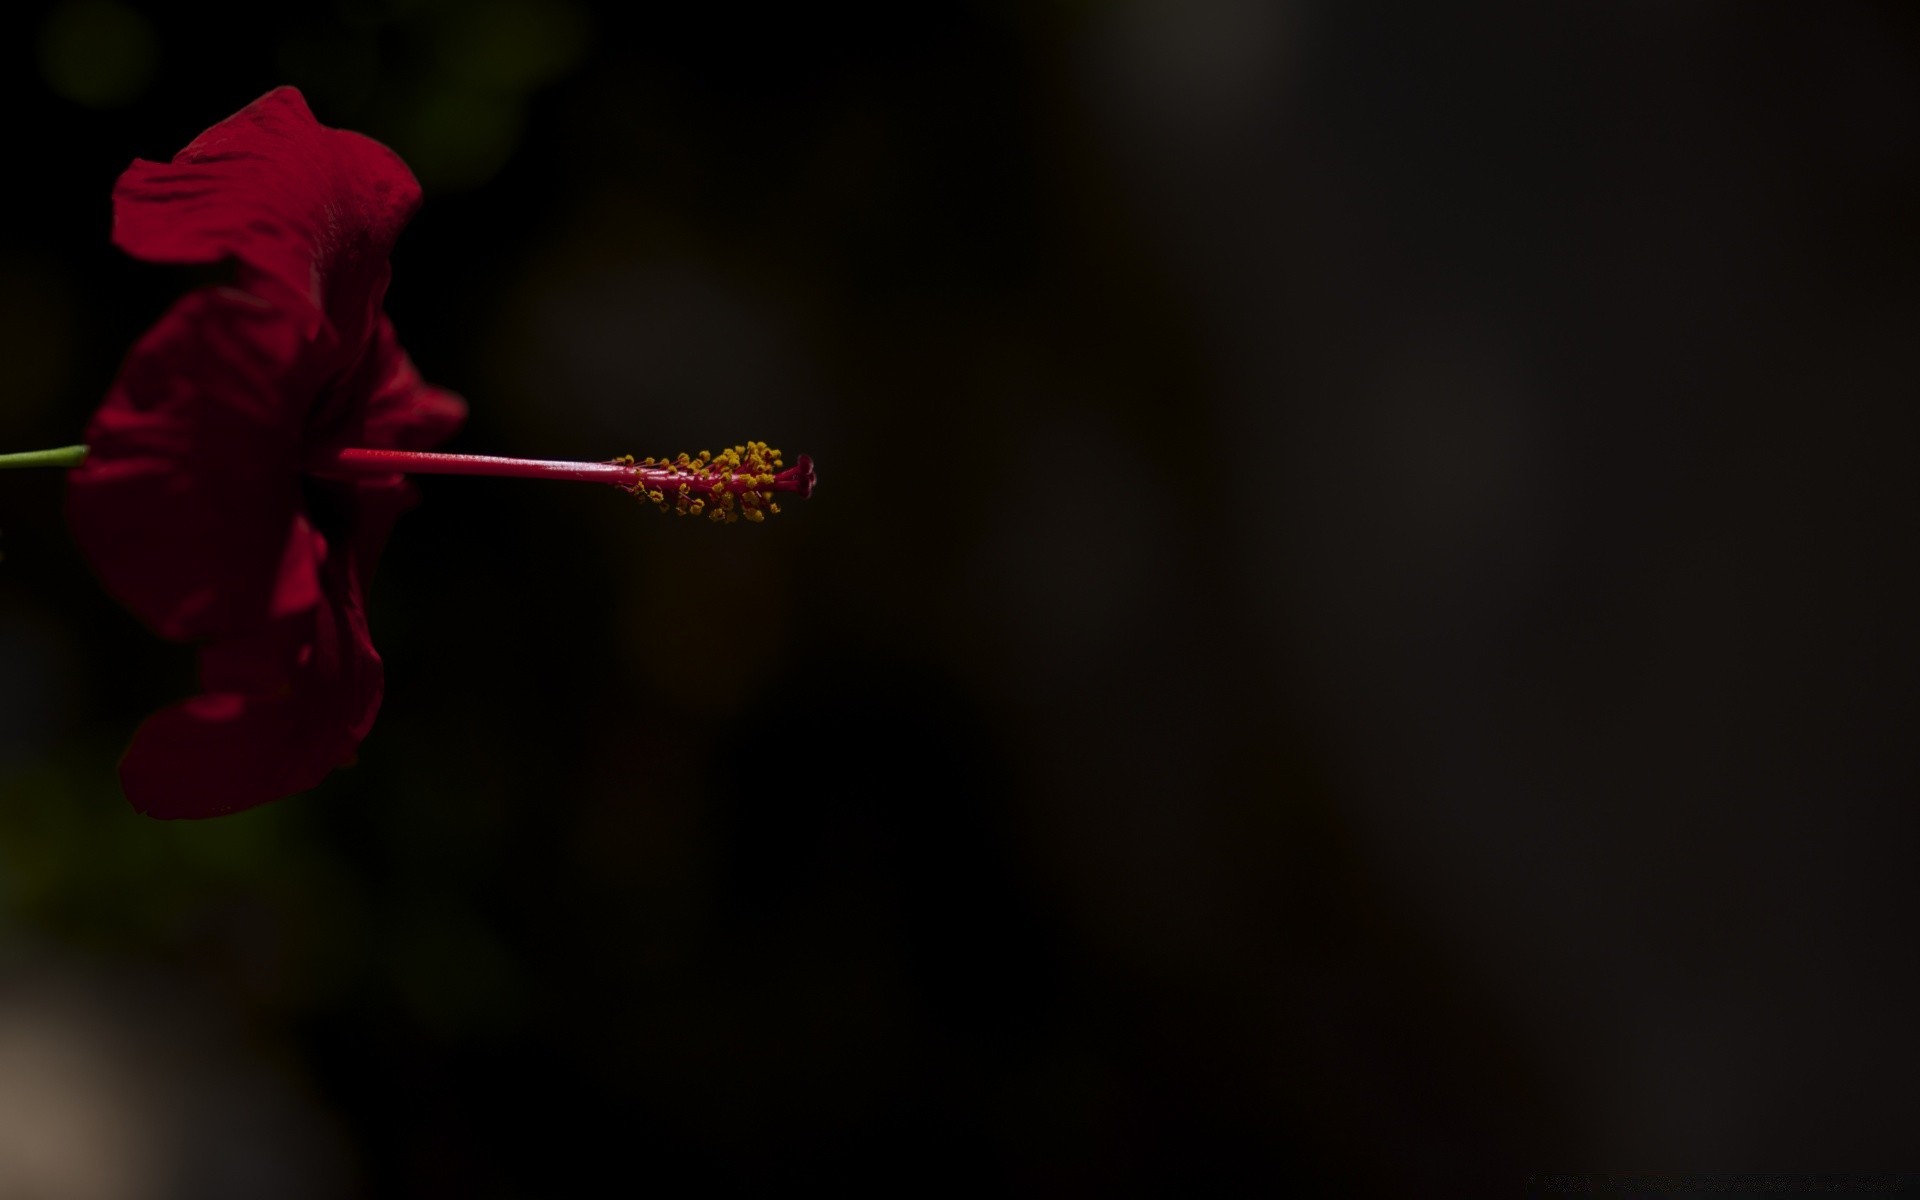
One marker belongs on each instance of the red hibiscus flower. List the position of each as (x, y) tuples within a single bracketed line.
[(242, 476), (195, 504)]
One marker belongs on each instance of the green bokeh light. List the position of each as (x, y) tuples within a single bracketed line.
[(516, 45), (456, 138), (98, 52)]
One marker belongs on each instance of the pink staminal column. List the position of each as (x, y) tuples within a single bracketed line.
[(739, 481)]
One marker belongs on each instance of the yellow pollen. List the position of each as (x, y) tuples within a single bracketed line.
[(738, 481)]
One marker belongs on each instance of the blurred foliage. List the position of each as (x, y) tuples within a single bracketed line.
[(99, 53), (1001, 813), (260, 897), (446, 83)]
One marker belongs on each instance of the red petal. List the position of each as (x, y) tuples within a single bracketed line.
[(393, 407), (284, 706), (189, 502), (405, 412), (316, 209)]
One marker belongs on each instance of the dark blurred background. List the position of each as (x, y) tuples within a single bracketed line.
[(1357, 629)]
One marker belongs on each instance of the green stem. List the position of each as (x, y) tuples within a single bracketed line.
[(65, 456)]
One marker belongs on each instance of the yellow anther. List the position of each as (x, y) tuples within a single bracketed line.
[(738, 481)]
